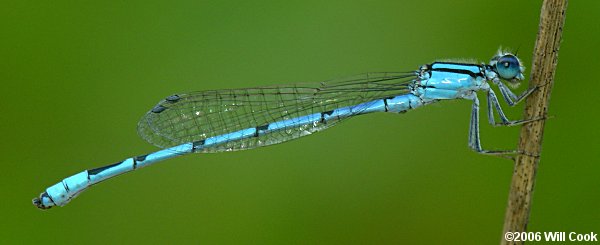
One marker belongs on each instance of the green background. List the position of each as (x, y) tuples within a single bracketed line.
[(76, 77)]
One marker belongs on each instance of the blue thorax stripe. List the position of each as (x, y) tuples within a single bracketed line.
[(472, 70)]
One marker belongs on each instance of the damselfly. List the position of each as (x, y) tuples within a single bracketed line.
[(239, 119)]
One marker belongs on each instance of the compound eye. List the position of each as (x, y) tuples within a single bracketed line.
[(508, 67)]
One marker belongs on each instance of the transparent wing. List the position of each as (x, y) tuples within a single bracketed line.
[(196, 116)]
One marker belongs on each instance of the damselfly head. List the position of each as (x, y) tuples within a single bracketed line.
[(508, 67)]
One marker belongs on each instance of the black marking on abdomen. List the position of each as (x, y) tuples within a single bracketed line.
[(141, 158), (100, 169), (66, 186), (385, 103), (197, 144), (45, 194), (259, 128), (173, 98), (328, 113), (137, 159), (158, 109)]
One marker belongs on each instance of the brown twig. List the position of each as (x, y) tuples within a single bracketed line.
[(545, 58)]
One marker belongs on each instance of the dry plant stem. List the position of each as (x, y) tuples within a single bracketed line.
[(545, 58)]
